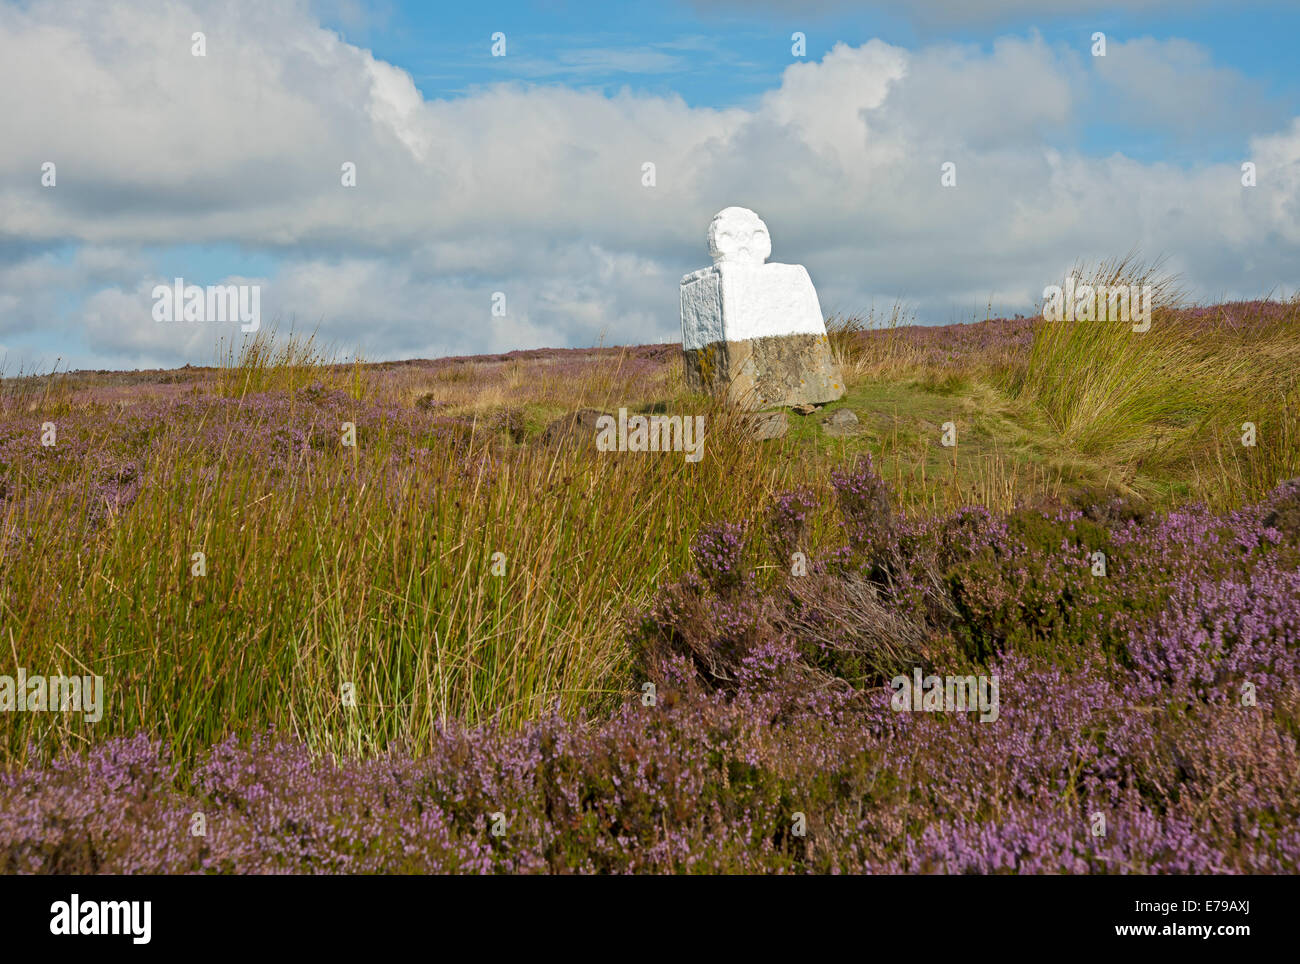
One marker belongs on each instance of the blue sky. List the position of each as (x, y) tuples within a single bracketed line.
[(522, 174), (718, 55), (715, 55)]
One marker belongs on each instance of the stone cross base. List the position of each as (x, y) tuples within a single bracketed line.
[(765, 371)]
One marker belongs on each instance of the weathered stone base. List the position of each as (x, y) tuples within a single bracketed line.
[(760, 372)]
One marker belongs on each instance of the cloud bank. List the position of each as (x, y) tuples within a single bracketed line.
[(537, 191)]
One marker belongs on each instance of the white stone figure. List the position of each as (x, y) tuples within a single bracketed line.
[(739, 235), (751, 329)]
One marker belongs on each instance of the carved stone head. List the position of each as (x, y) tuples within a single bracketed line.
[(739, 235)]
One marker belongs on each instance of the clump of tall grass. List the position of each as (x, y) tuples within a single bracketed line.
[(1230, 470), (868, 345), (1104, 385), (844, 332), (374, 565), (1155, 399), (264, 362), (30, 392)]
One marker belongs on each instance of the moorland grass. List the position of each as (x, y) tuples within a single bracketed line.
[(371, 565), (374, 565)]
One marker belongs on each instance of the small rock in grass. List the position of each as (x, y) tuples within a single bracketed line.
[(767, 425), (841, 422)]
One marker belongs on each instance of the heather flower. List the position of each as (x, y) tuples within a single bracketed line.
[(1163, 695), (717, 550), (787, 523), (864, 503)]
